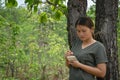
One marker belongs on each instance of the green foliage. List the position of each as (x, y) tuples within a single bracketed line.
[(11, 3), (2, 21), (91, 12), (29, 49), (118, 31), (58, 14), (32, 46), (43, 17), (57, 6), (33, 4)]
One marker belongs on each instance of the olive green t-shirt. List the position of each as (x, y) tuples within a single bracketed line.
[(91, 56)]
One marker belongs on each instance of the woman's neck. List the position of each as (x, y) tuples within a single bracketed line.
[(89, 41)]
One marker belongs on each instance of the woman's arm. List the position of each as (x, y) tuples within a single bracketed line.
[(99, 70), (67, 63)]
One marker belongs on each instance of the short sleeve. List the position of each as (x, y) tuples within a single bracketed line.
[(100, 55)]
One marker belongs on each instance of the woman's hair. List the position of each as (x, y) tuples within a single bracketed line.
[(86, 21)]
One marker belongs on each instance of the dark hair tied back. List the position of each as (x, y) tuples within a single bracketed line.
[(86, 21)]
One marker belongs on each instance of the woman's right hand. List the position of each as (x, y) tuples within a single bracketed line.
[(68, 53)]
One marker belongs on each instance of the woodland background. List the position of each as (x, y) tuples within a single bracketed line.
[(33, 43)]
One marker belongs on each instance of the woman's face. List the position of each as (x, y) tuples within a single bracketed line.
[(84, 32)]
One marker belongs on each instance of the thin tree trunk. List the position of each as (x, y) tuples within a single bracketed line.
[(106, 32), (76, 8)]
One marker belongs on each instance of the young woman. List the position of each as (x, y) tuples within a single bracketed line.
[(90, 54)]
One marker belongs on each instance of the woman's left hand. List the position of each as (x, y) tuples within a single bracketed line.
[(75, 63)]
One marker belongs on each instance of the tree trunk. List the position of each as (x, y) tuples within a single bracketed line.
[(106, 32), (76, 8)]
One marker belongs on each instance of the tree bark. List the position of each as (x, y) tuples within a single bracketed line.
[(76, 8), (106, 32)]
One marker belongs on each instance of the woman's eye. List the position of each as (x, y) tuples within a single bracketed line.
[(84, 31), (78, 31)]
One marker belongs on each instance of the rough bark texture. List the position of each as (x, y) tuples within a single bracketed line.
[(76, 8), (106, 32)]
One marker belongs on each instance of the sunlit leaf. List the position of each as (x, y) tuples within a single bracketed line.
[(58, 14), (43, 17), (56, 1), (11, 3)]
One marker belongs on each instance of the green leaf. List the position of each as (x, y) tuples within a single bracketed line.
[(56, 1), (3, 21), (29, 2), (37, 1), (51, 0), (35, 8), (52, 8), (43, 17), (63, 9), (11, 3), (26, 1), (58, 14)]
